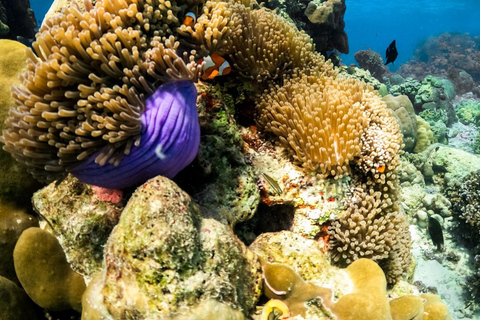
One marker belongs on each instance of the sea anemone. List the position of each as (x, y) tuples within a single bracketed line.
[(92, 97), (169, 141)]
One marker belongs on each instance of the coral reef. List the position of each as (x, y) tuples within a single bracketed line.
[(321, 161), (403, 110), (373, 62), (454, 56), (51, 284)]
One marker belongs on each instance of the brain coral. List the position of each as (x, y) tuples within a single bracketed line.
[(85, 87)]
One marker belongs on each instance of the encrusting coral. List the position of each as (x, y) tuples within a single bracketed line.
[(51, 284)]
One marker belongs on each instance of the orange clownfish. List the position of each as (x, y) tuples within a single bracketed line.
[(381, 168), (214, 66), (190, 19)]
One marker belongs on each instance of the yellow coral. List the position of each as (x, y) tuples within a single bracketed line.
[(368, 301), (407, 308), (424, 135)]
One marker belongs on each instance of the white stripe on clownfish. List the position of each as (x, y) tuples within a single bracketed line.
[(214, 65)]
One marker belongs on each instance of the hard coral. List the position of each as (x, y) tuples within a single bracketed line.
[(86, 86), (403, 110), (52, 284), (368, 301)]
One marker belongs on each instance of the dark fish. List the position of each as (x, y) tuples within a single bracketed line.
[(436, 233), (391, 53)]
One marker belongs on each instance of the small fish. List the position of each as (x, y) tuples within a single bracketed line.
[(273, 183), (381, 168), (190, 19), (436, 233), (392, 53), (215, 65)]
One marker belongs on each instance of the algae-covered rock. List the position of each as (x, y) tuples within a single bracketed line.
[(403, 110), (219, 179), (446, 166), (13, 221), (305, 256), (16, 184), (79, 219), (15, 304), (44, 272), (163, 260), (299, 264)]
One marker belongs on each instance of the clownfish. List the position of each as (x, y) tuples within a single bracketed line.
[(214, 66), (190, 19)]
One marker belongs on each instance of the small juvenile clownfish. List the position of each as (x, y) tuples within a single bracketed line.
[(214, 66), (190, 19), (381, 168)]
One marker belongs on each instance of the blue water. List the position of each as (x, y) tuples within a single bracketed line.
[(40, 7), (373, 24)]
